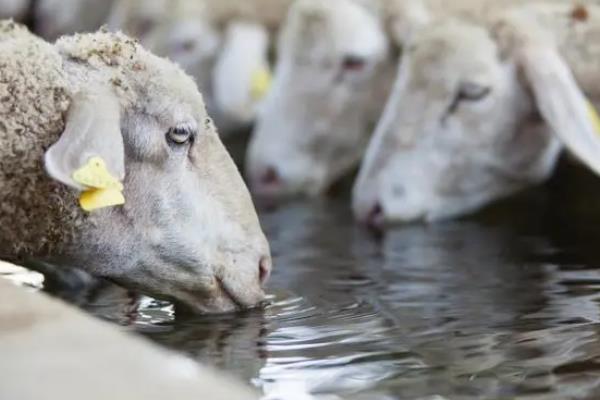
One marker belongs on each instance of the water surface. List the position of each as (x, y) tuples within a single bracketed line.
[(500, 306)]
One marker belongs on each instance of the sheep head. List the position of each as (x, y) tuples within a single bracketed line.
[(471, 120), (329, 87), (188, 230)]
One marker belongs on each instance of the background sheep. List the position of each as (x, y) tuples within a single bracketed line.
[(241, 76), (462, 129), (54, 18), (224, 45), (15, 9), (332, 77), (139, 18), (309, 135), (188, 230)]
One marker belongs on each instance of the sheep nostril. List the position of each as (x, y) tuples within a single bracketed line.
[(375, 218), (264, 270), (270, 176)]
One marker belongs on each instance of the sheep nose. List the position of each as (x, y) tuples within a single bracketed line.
[(375, 217), (264, 270), (270, 177)]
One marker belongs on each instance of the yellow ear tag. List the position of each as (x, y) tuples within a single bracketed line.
[(260, 83), (594, 116), (104, 189), (95, 199)]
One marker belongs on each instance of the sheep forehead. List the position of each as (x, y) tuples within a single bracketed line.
[(344, 25), (166, 90), (138, 76), (357, 30), (455, 50)]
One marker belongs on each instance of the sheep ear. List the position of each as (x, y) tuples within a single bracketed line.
[(92, 132), (561, 102)]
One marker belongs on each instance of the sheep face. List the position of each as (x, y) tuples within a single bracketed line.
[(316, 120), (188, 230), (461, 129), (188, 215)]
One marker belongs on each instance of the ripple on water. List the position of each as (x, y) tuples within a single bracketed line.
[(495, 309)]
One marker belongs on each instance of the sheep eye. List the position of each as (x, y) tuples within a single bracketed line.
[(186, 46), (353, 63), (179, 136), (469, 92), (473, 92)]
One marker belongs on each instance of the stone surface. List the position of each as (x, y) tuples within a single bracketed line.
[(49, 350)]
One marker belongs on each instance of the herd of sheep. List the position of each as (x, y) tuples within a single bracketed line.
[(111, 160)]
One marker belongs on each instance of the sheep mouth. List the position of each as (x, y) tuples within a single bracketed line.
[(221, 298), (230, 295), (222, 292)]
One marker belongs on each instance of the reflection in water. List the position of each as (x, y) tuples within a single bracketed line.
[(501, 306)]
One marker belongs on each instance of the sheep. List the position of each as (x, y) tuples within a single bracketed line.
[(477, 112), (54, 18), (284, 163), (16, 9), (332, 107), (98, 117), (335, 64), (242, 72)]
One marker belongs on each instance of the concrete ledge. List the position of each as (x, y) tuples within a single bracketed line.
[(49, 350)]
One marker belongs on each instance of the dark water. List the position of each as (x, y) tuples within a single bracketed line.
[(501, 306)]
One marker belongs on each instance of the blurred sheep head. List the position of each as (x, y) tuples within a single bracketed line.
[(241, 74), (470, 120), (188, 230), (139, 18), (334, 65), (54, 18)]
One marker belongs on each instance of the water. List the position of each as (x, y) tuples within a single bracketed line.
[(501, 306)]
